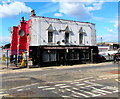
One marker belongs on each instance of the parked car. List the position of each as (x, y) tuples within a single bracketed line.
[(99, 58), (116, 57)]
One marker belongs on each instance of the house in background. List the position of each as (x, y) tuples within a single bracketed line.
[(108, 49), (51, 41)]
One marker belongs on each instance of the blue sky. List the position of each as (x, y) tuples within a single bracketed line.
[(103, 14)]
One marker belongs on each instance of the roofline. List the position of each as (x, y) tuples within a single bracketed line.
[(64, 19)]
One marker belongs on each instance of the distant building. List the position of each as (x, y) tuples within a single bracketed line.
[(51, 41), (108, 49)]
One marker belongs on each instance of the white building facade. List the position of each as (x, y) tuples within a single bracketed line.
[(50, 31)]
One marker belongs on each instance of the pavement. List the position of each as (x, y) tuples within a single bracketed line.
[(13, 69)]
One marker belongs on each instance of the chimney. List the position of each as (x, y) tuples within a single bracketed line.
[(32, 13), (22, 19)]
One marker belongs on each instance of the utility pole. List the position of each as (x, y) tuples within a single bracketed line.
[(101, 39)]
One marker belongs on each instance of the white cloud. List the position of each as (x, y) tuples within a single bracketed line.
[(4, 40), (111, 31), (77, 10), (95, 6), (13, 8), (58, 14), (80, 10)]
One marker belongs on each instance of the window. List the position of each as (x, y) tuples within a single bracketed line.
[(84, 54), (49, 56), (80, 38), (66, 37), (74, 55), (50, 36)]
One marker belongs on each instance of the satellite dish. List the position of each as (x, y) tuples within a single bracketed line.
[(21, 33)]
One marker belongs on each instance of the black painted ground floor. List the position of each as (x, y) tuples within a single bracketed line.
[(62, 55)]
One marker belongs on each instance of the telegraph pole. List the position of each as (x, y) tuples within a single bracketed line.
[(101, 39)]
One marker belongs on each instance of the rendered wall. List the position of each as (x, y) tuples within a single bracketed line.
[(39, 31)]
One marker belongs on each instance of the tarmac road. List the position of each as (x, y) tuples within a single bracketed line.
[(77, 81)]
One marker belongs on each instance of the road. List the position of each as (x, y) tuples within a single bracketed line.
[(87, 81)]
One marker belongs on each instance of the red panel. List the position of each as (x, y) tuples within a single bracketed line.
[(14, 40), (20, 43)]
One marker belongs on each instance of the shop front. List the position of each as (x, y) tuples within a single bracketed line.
[(61, 55)]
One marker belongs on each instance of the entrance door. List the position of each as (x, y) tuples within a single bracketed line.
[(62, 57)]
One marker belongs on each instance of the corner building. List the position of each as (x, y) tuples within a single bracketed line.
[(51, 41)]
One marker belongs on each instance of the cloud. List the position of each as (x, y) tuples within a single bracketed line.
[(95, 6), (80, 10), (4, 40), (58, 14), (13, 8), (111, 31), (77, 10)]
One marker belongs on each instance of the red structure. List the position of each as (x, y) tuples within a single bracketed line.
[(20, 37)]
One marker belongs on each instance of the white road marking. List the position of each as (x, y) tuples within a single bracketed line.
[(99, 79), (60, 85), (43, 86), (75, 95), (93, 83), (20, 90), (116, 91), (68, 89), (79, 84), (101, 90), (48, 89), (84, 79), (65, 96), (75, 88), (109, 87), (24, 86), (1, 92), (104, 78), (93, 95), (98, 92), (4, 95), (79, 93), (64, 86)]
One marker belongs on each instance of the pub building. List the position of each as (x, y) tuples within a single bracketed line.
[(52, 41)]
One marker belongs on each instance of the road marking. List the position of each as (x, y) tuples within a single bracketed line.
[(3, 95), (60, 84), (116, 91), (48, 89), (99, 79), (79, 84), (64, 86), (68, 89), (110, 88), (118, 80), (93, 83), (84, 79), (24, 86), (79, 93), (100, 90), (20, 90), (43, 86), (65, 96), (75, 95)]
